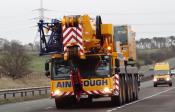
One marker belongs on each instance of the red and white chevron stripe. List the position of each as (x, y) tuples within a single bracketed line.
[(94, 92), (116, 83), (73, 36), (62, 94)]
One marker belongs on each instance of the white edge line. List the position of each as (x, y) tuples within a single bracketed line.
[(140, 100)]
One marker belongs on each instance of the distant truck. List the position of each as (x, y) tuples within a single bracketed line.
[(162, 74), (173, 72)]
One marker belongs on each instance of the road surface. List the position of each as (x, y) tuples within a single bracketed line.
[(151, 99)]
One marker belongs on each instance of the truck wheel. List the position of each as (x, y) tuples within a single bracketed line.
[(136, 88), (58, 103), (123, 91), (118, 100), (64, 102), (131, 89), (170, 84), (127, 89), (155, 85)]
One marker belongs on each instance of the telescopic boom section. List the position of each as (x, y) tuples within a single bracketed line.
[(73, 49), (72, 35)]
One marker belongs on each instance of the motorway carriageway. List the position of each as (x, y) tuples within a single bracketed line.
[(151, 99)]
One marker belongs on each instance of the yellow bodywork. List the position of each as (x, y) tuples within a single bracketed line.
[(105, 45), (65, 85), (162, 76), (107, 29), (162, 66), (90, 39)]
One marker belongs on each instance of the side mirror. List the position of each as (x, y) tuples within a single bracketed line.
[(117, 70), (125, 63), (171, 74), (117, 64), (131, 62), (47, 74), (47, 66)]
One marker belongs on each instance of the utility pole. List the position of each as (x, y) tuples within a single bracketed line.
[(41, 12)]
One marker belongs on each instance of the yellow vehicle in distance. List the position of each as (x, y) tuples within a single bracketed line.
[(162, 74)]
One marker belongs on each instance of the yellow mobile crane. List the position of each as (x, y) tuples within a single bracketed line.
[(89, 60)]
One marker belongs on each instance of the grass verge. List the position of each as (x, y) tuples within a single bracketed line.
[(146, 79), (21, 99)]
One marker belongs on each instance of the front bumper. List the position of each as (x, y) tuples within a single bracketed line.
[(92, 94), (163, 82)]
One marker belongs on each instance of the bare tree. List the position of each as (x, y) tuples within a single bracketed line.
[(14, 59), (31, 46)]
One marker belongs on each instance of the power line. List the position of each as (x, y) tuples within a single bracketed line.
[(156, 32), (155, 24), (41, 11), (121, 13)]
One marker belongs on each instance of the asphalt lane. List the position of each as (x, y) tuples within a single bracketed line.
[(159, 99), (160, 102)]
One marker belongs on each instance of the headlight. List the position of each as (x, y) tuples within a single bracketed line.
[(107, 90), (167, 79), (57, 92), (155, 79)]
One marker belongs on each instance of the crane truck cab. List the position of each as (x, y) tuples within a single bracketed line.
[(162, 74)]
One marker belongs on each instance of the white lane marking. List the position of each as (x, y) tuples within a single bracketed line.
[(140, 100), (48, 108)]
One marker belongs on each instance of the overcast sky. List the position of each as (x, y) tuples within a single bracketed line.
[(148, 18)]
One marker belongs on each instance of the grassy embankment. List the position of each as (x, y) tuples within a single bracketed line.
[(34, 79), (37, 78)]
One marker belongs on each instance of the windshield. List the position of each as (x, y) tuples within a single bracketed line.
[(103, 68), (95, 66), (161, 72), (60, 69)]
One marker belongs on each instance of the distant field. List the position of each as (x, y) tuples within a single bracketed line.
[(33, 80), (37, 63), (147, 50), (146, 68), (171, 61)]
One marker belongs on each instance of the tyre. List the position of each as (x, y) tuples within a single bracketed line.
[(127, 89), (170, 84), (131, 88), (136, 88), (58, 103), (123, 90), (64, 102), (155, 85), (118, 100)]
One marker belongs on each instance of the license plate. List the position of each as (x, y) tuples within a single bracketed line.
[(84, 96)]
